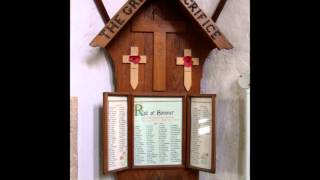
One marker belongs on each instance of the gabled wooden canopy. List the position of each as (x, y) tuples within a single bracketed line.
[(131, 7)]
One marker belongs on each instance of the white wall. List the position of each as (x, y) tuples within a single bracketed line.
[(91, 75)]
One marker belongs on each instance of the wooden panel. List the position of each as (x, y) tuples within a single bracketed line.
[(175, 74), (169, 174), (116, 51), (159, 61), (148, 25), (148, 41), (175, 43)]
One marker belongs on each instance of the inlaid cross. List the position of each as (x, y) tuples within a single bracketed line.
[(187, 61), (134, 59), (159, 28)]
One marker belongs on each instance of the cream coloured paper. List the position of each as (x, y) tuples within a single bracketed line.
[(117, 132), (201, 132), (157, 131)]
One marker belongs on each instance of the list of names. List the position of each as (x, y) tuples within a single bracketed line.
[(201, 133), (117, 132), (158, 131)]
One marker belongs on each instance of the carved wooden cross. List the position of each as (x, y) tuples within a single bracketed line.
[(159, 28), (134, 59), (187, 61)]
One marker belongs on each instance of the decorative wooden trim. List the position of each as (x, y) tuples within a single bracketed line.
[(105, 131), (218, 10), (127, 11), (183, 147), (102, 10), (213, 149), (118, 21)]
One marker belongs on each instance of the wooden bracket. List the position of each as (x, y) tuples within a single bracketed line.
[(218, 10), (102, 10)]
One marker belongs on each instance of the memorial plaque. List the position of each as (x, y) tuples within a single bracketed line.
[(146, 129), (201, 125), (116, 113), (159, 131)]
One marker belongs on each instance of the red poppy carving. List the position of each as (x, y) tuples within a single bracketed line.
[(187, 61), (134, 59)]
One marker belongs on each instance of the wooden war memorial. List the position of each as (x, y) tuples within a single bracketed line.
[(157, 125)]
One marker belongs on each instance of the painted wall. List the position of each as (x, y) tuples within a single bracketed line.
[(91, 75)]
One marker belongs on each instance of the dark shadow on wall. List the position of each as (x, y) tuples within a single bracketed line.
[(112, 68), (94, 56), (94, 59)]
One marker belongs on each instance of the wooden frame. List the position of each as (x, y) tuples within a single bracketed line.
[(213, 149), (105, 131), (164, 95)]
